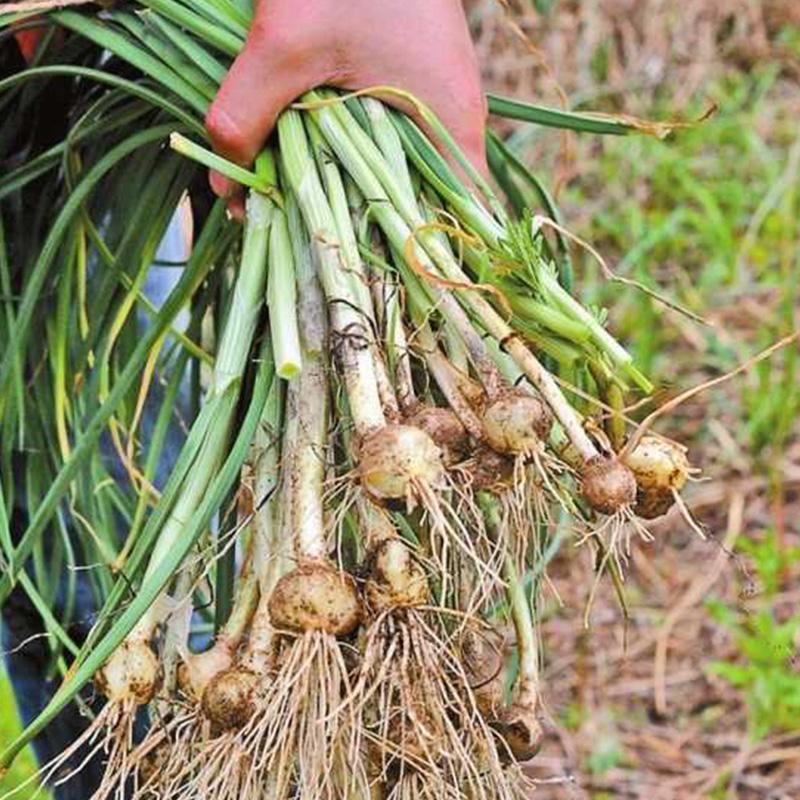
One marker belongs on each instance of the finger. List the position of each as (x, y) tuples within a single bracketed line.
[(230, 190), (266, 77), (27, 41), (463, 112), (220, 185), (467, 129)]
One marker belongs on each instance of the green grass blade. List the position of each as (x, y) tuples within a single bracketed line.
[(191, 278), (104, 36), (165, 49), (211, 33), (51, 625), (151, 96), (35, 281), (554, 118), (195, 52)]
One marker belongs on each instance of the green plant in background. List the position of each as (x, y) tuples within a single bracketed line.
[(22, 769), (765, 670), (606, 755), (713, 236), (683, 222)]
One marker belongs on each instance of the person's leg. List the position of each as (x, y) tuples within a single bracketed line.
[(28, 663)]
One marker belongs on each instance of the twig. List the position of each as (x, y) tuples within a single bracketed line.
[(26, 6), (648, 421)]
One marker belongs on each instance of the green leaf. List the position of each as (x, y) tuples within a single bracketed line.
[(553, 118)]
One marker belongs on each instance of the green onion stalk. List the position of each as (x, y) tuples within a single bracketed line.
[(299, 725), (495, 232), (395, 461), (518, 722), (217, 686), (228, 374)]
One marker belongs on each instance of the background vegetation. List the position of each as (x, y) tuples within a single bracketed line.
[(698, 695)]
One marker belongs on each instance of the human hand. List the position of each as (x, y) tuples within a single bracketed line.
[(421, 46)]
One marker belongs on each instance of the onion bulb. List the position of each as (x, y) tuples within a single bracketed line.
[(516, 423), (484, 662), (228, 698), (132, 673), (196, 670), (395, 579), (315, 597), (521, 731), (490, 470), (660, 468), (446, 430), (607, 484), (395, 457)]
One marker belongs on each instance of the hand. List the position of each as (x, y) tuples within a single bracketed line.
[(27, 41), (422, 46)]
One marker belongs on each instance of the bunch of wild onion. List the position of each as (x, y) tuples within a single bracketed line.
[(386, 409)]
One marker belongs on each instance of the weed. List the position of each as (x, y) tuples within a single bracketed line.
[(765, 669)]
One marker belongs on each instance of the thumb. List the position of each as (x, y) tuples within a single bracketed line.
[(466, 123), (266, 76), (464, 120)]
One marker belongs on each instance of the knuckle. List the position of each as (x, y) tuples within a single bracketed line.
[(339, 66)]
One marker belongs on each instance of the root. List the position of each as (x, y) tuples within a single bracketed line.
[(687, 515), (459, 543), (527, 506), (422, 728), (298, 737), (164, 758), (413, 785), (110, 734), (526, 501), (615, 534)]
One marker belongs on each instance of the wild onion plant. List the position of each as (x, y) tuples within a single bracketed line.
[(390, 381)]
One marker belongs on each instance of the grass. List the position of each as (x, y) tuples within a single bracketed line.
[(10, 728), (763, 668)]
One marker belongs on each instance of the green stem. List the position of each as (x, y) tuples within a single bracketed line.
[(234, 351), (282, 300), (150, 590), (186, 147), (349, 320), (397, 231)]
